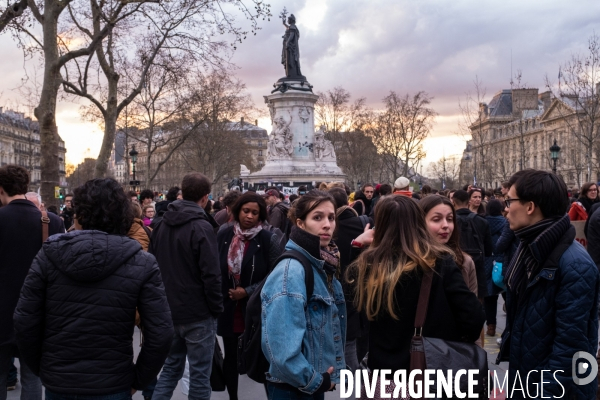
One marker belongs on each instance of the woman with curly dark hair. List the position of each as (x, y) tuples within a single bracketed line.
[(84, 287)]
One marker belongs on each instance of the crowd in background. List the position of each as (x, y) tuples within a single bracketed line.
[(335, 275)]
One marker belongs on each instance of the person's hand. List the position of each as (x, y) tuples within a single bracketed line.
[(237, 293), (330, 371), (366, 238)]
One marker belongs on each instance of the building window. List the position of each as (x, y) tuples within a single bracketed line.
[(260, 143), (260, 153)]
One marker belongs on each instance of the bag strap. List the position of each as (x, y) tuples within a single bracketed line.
[(45, 223), (423, 302)]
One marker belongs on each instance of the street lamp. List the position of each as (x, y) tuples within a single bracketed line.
[(133, 154), (554, 150)]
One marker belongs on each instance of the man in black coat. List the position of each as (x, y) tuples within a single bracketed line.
[(349, 226), (20, 240), (484, 238), (278, 217), (76, 313), (185, 245)]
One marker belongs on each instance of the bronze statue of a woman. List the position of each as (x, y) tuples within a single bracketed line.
[(290, 55)]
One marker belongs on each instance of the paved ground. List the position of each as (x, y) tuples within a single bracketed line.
[(250, 390)]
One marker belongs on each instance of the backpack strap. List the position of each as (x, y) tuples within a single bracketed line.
[(309, 275), (45, 223)]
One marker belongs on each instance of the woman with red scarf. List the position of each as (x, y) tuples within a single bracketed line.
[(246, 253)]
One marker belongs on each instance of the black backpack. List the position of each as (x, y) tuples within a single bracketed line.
[(471, 241), (250, 358)]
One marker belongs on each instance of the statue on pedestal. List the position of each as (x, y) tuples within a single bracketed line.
[(323, 149), (290, 54), (280, 145)]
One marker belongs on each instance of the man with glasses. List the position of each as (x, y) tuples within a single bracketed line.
[(553, 289)]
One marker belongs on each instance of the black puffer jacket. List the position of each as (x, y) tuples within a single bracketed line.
[(75, 317)]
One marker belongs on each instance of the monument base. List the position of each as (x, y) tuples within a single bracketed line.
[(295, 152)]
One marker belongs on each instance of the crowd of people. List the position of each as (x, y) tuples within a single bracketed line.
[(338, 276)]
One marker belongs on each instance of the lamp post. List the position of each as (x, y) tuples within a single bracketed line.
[(133, 154), (554, 150)]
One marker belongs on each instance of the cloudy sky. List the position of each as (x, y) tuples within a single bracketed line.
[(371, 47)]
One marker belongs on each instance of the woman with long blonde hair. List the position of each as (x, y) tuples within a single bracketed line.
[(388, 280)]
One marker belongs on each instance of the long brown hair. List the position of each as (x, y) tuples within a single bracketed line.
[(401, 244), (453, 243)]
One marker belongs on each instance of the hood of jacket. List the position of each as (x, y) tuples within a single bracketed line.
[(89, 256), (161, 206), (181, 212)]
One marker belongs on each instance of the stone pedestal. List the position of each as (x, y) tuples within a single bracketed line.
[(295, 152)]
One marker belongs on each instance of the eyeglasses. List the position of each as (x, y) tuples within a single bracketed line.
[(508, 201)]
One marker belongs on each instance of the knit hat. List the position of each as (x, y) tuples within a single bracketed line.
[(401, 183)]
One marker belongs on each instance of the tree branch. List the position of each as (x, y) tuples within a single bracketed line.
[(11, 13)]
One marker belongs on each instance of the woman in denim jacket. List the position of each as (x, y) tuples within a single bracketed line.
[(304, 339)]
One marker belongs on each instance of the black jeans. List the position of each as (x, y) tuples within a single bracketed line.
[(491, 307), (230, 364)]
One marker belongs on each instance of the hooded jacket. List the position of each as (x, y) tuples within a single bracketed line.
[(185, 246), (75, 317)]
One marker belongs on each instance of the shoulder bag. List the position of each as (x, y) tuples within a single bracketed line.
[(440, 354)]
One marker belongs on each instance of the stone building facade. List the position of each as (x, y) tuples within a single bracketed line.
[(20, 145), (515, 131)]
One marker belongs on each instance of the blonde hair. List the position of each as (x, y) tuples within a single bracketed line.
[(336, 184), (401, 244)]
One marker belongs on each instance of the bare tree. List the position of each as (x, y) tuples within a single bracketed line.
[(345, 125), (471, 126), (447, 171), (216, 147), (167, 42), (578, 92), (56, 50), (400, 130)]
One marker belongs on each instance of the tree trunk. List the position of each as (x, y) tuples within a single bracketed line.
[(110, 128), (45, 112)]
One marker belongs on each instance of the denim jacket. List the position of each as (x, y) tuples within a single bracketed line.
[(301, 342)]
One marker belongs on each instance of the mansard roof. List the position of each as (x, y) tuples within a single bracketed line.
[(501, 104)]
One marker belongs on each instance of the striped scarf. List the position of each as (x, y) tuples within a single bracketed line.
[(537, 242)]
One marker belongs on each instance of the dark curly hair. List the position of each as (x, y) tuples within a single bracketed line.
[(172, 193), (147, 194), (250, 197), (101, 204), (14, 180)]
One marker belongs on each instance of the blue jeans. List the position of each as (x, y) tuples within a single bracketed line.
[(279, 393), (149, 390), (31, 386), (117, 396), (197, 341)]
